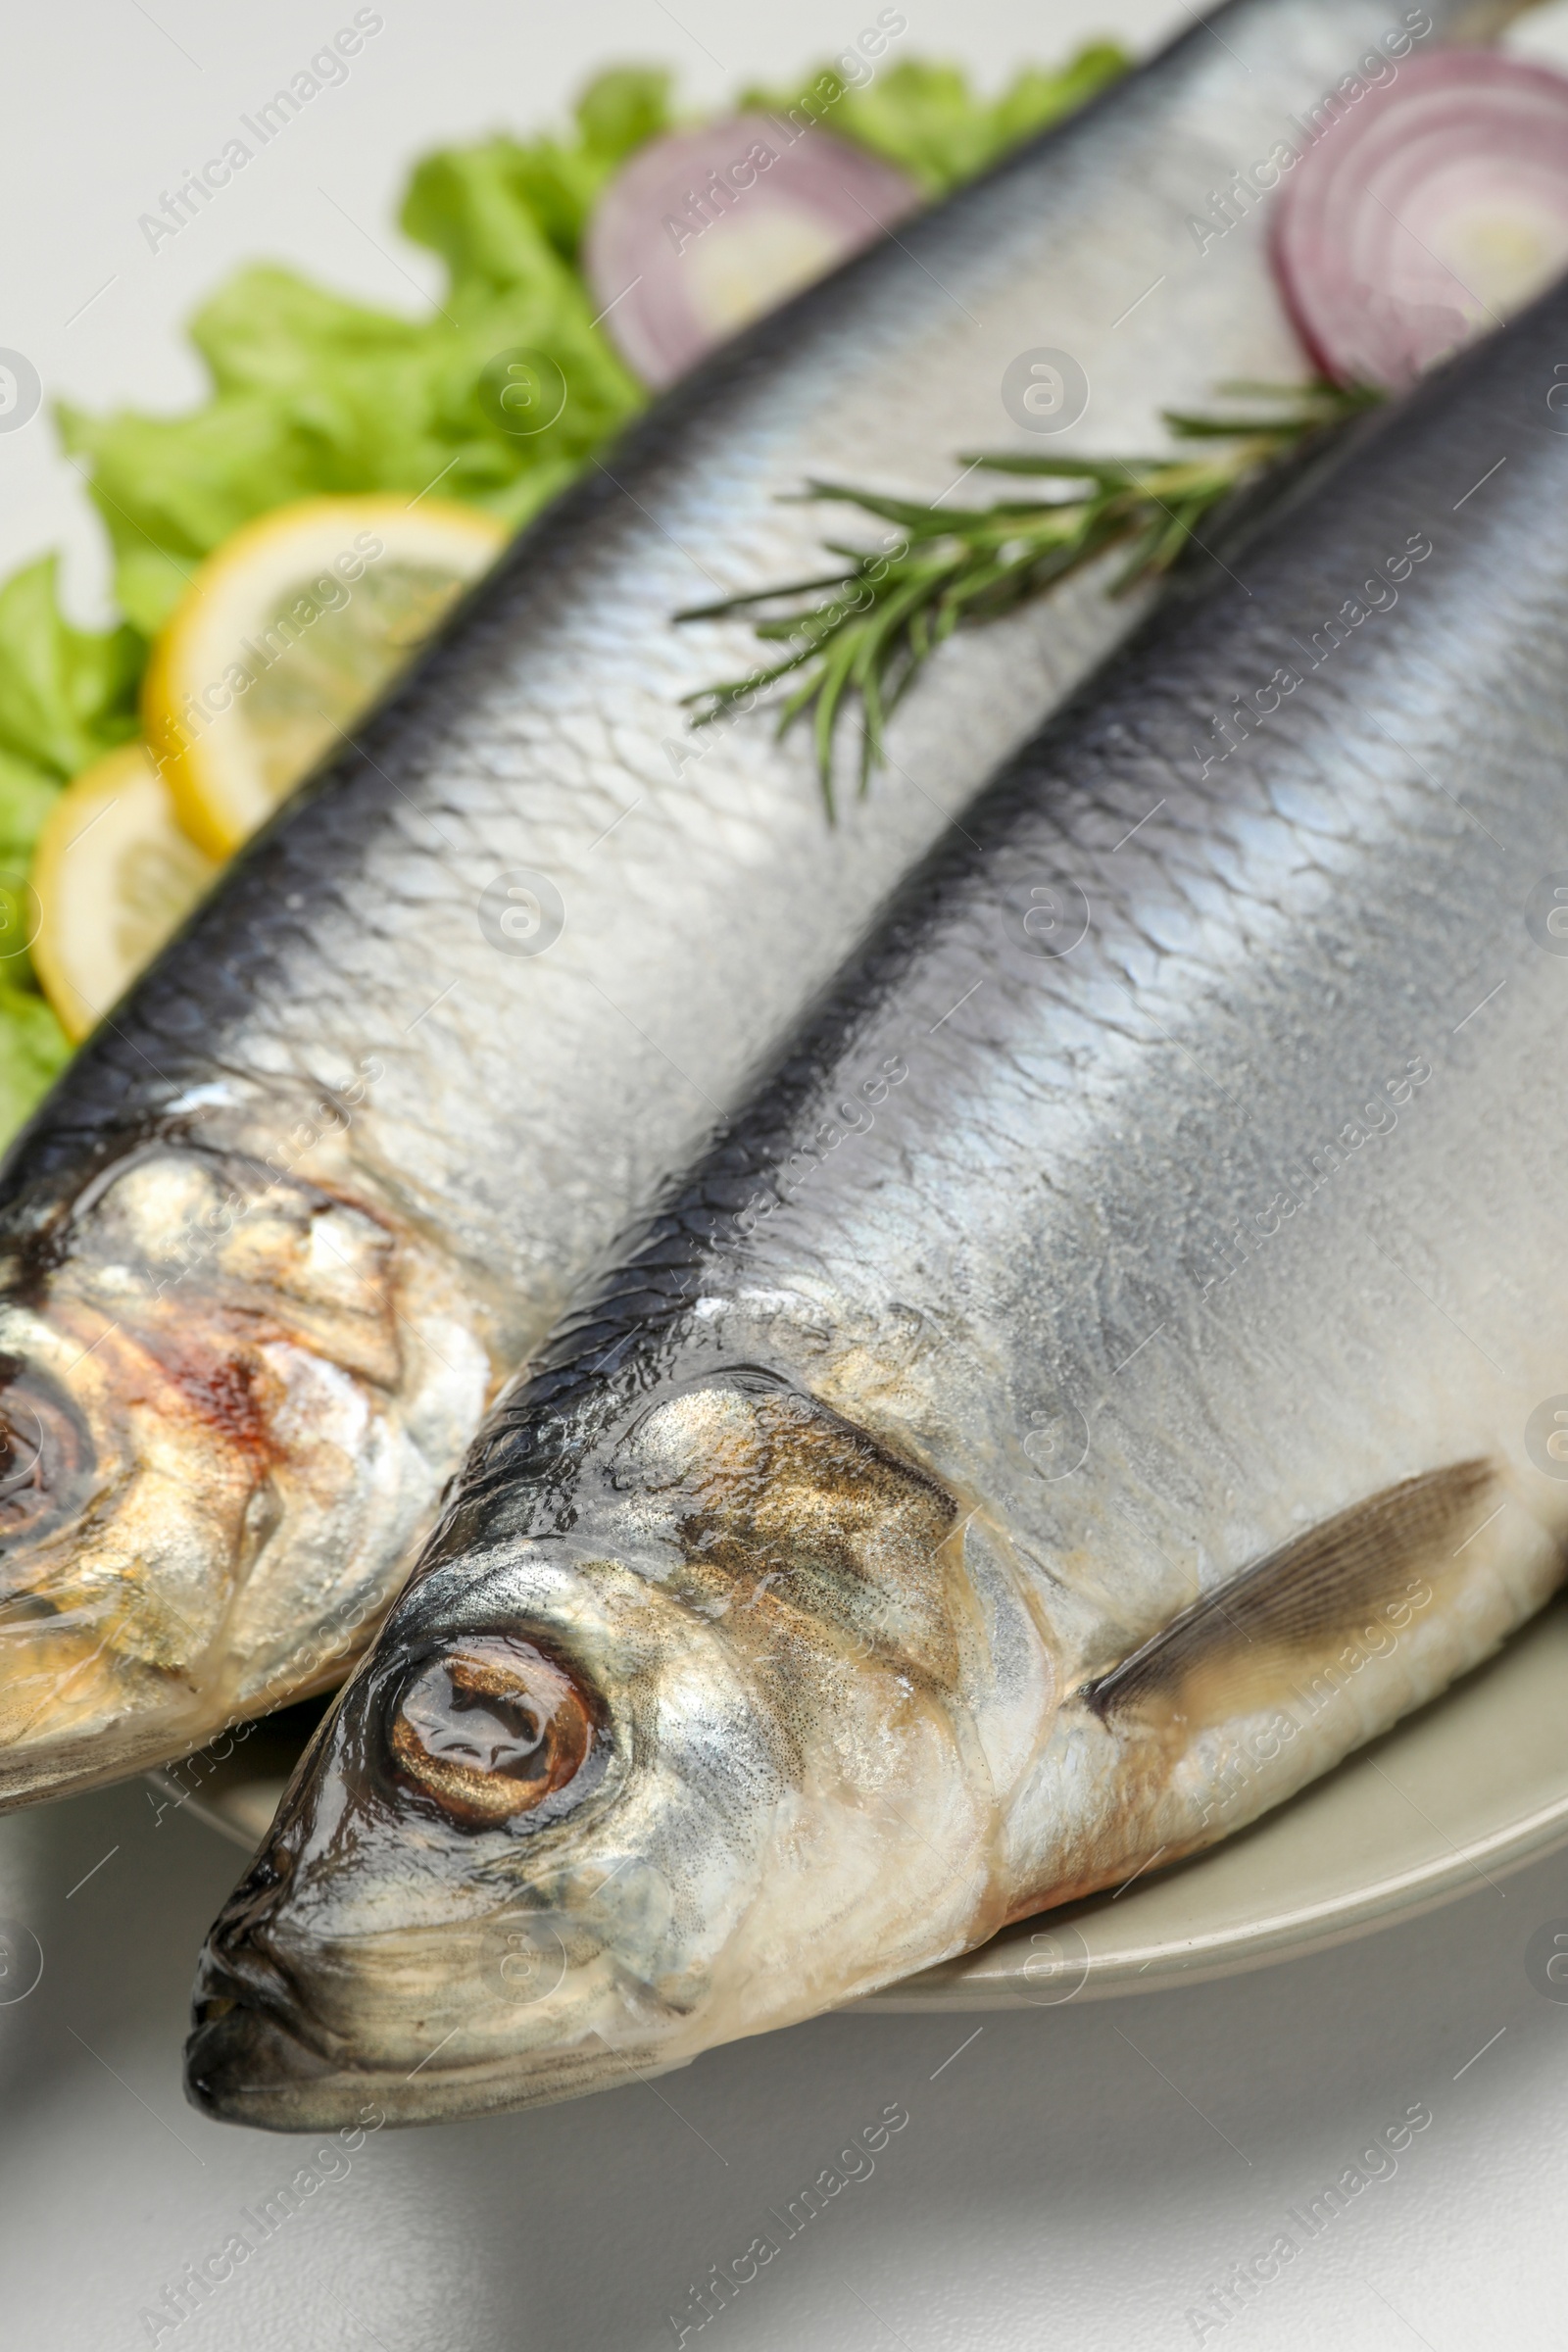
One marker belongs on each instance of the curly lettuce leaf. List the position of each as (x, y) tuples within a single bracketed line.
[(66, 694), (315, 394), (931, 123), (482, 208)]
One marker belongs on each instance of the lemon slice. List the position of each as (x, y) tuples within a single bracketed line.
[(113, 875), (284, 638)]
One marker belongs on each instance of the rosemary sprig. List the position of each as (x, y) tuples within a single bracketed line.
[(864, 632)]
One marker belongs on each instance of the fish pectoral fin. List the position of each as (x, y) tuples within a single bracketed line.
[(1359, 1576)]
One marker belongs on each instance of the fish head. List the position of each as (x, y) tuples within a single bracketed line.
[(213, 1446), (712, 1742)]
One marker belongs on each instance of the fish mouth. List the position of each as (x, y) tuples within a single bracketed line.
[(243, 2066), (246, 2065), (262, 2053), (249, 2058)]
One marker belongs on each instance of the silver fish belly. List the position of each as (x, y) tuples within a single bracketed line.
[(1113, 1368), (325, 1176)]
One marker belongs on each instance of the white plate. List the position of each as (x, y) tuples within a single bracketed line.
[(1474, 1786)]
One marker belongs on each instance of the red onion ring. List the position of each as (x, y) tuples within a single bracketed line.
[(704, 231), (1430, 211)]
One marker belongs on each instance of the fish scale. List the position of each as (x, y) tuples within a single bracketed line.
[(1101, 1378), (334, 1084)]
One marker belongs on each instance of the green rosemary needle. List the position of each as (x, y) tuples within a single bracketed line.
[(862, 634)]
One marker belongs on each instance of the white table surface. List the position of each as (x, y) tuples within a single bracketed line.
[(1083, 2177)]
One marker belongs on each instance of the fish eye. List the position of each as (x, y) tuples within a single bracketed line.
[(44, 1452), (496, 1729)]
